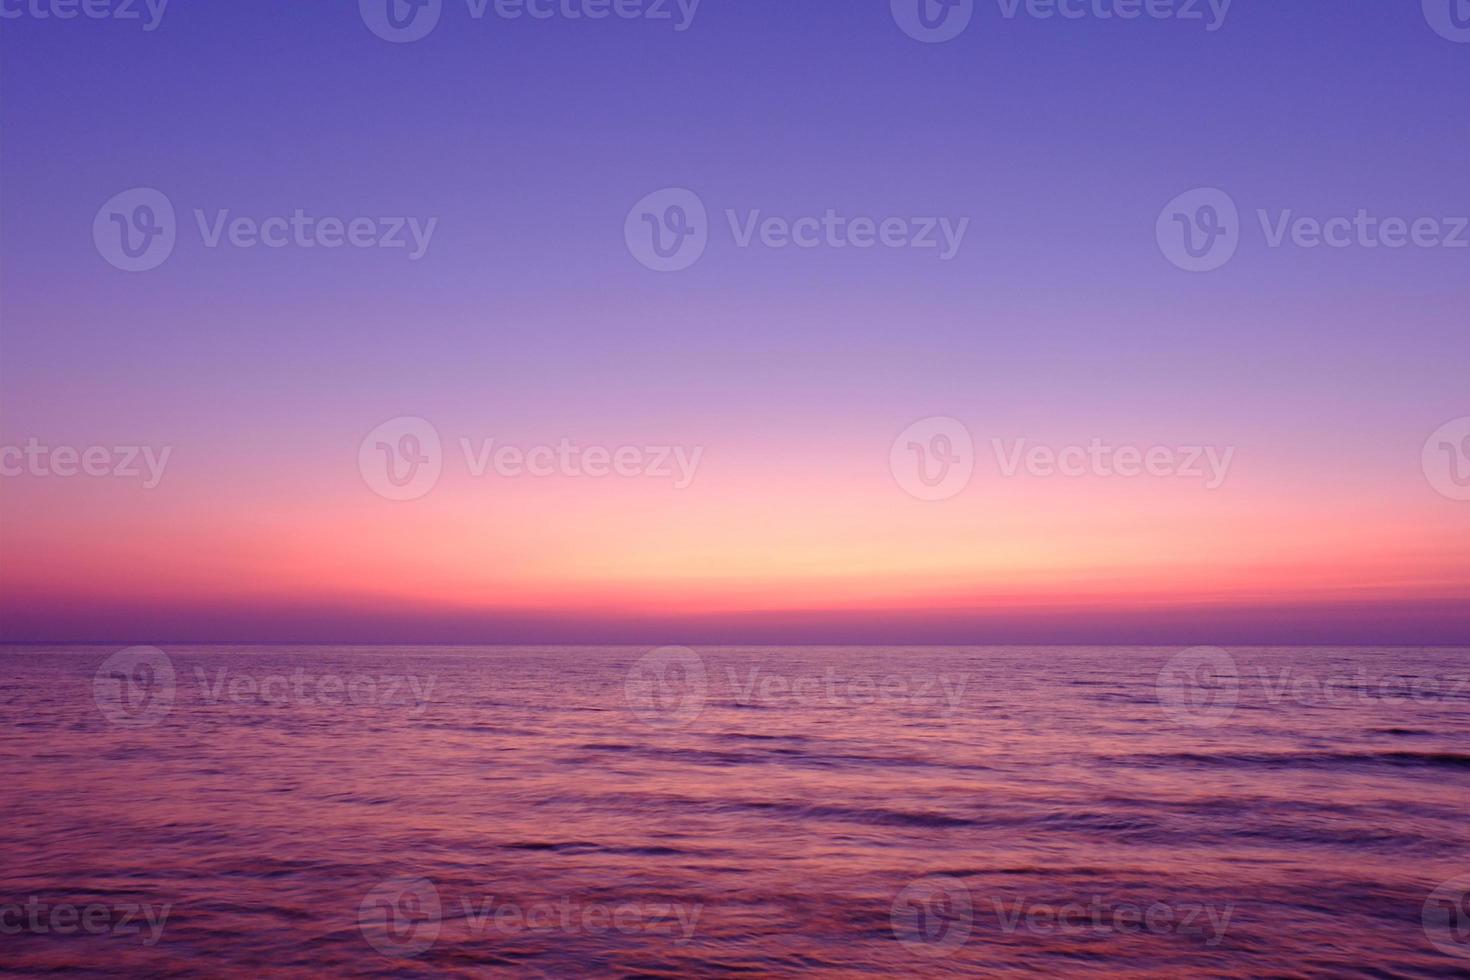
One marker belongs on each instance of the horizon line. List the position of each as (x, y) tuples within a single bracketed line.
[(764, 644)]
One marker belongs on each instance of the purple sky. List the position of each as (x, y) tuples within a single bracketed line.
[(530, 140)]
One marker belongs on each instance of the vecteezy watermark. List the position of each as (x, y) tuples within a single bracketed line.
[(667, 687), (932, 916), (143, 463), (1292, 685), (1450, 19), (149, 13), (134, 688), (1199, 686), (566, 458), (669, 230), (401, 916), (758, 686), (302, 689), (933, 21), (403, 458), (404, 916), (1446, 459), (138, 687), (1101, 916), (670, 687), (935, 916), (934, 459), (42, 918), (1209, 464), (832, 230), (936, 21), (1446, 917), (137, 230), (1203, 686), (1201, 230), (1362, 230), (1210, 13), (404, 21)]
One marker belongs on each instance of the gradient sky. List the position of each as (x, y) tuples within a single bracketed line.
[(528, 321)]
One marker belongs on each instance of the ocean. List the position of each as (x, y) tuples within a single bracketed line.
[(838, 811)]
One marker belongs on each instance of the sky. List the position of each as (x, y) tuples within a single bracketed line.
[(845, 440)]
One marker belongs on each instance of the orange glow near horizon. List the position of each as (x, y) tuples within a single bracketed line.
[(845, 543)]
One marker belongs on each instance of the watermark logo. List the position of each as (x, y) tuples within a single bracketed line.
[(933, 21), (1446, 459), (1211, 13), (1289, 685), (1199, 231), (1446, 917), (134, 688), (401, 459), (914, 692), (1362, 230), (300, 689), (836, 231), (401, 21), (933, 459), (933, 916), (136, 230), (300, 229), (1449, 18), (143, 463), (40, 918), (937, 21), (1102, 916), (668, 230), (401, 916), (1103, 460), (404, 21), (667, 687), (678, 464), (1199, 686), (148, 12)]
